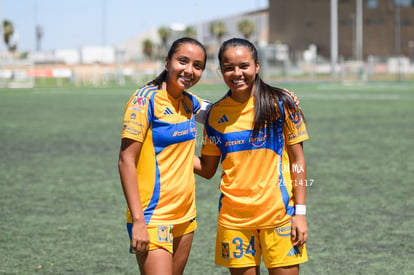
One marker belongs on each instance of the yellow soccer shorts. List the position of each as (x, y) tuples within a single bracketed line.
[(244, 248), (161, 236)]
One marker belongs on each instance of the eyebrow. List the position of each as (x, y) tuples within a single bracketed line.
[(238, 64)]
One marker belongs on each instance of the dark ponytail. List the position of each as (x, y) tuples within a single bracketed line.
[(266, 105)]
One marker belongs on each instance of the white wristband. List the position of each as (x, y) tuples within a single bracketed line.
[(300, 209)]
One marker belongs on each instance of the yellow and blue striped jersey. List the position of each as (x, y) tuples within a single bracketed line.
[(256, 187), (166, 128)]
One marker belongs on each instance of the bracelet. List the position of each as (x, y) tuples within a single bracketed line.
[(300, 209)]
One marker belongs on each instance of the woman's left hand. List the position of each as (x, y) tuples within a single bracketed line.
[(299, 230)]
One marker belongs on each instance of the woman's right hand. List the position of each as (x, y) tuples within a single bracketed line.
[(292, 95), (140, 238)]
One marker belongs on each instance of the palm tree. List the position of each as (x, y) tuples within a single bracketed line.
[(218, 29), (190, 32), (148, 48), (8, 31), (247, 27), (164, 33)]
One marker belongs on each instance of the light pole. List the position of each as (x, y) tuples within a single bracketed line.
[(398, 38), (359, 36), (359, 31), (334, 37)]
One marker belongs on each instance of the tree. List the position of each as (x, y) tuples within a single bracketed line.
[(247, 27), (218, 29), (190, 32), (148, 48), (164, 33), (8, 31)]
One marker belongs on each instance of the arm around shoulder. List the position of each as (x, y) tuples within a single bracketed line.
[(206, 166)]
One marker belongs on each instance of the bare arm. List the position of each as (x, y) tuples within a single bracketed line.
[(298, 175), (206, 166), (127, 170)]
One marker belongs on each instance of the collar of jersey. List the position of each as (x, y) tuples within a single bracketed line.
[(248, 102), (170, 97)]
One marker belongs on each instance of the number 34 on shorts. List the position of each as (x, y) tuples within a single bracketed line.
[(237, 248)]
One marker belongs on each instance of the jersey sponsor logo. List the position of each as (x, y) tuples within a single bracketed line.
[(168, 111), (133, 116), (192, 130), (292, 136), (284, 231), (140, 101), (234, 142), (223, 119), (180, 133), (133, 123), (225, 250), (259, 140), (131, 130)]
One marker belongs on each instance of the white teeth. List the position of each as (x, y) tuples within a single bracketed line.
[(237, 81), (186, 79)]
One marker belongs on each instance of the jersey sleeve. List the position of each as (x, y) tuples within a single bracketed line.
[(136, 118), (201, 114), (294, 127)]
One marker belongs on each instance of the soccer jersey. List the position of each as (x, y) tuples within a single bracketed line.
[(166, 128), (256, 187)]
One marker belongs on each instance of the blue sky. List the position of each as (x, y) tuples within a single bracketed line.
[(75, 23)]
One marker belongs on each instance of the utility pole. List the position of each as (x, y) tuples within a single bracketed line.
[(359, 38), (359, 31), (334, 37), (398, 37), (104, 23)]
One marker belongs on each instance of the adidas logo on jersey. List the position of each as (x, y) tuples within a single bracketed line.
[(223, 119), (168, 111)]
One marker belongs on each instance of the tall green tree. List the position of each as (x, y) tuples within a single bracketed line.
[(8, 31), (247, 27), (148, 48), (164, 33), (218, 29)]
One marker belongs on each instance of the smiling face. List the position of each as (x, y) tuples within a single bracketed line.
[(185, 68), (239, 71)]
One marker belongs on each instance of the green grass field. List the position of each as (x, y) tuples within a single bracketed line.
[(62, 206)]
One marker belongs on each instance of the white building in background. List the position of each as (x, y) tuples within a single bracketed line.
[(83, 55), (97, 54), (68, 56)]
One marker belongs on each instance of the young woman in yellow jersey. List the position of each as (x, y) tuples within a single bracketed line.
[(156, 162), (257, 132)]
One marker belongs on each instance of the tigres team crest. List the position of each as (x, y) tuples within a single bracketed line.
[(163, 234), (225, 250)]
